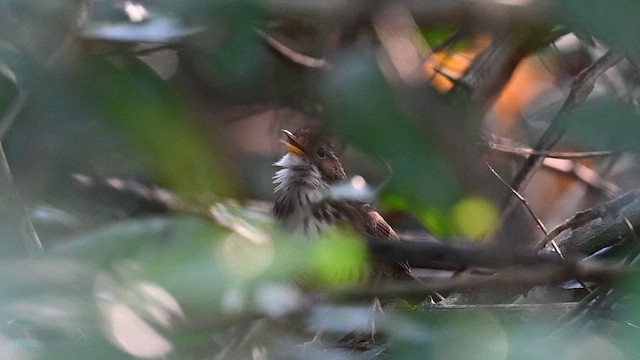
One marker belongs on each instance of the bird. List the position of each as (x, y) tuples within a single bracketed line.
[(307, 173)]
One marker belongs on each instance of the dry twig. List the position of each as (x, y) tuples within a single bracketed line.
[(519, 150), (292, 55), (537, 219), (598, 222), (582, 86)]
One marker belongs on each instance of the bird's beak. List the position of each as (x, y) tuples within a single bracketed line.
[(292, 144)]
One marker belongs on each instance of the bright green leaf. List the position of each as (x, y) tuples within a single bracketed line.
[(338, 259), (475, 217)]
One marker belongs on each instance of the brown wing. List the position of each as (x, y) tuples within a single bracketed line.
[(369, 222), (364, 219), (375, 225)]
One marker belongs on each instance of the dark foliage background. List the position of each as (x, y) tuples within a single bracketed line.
[(135, 177)]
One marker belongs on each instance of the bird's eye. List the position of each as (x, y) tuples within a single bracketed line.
[(322, 152)]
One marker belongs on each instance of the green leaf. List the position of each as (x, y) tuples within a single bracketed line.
[(154, 114), (8, 91), (475, 218), (376, 118), (468, 335), (339, 258), (615, 21), (605, 124)]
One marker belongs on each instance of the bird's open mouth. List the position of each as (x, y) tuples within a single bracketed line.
[(292, 144)]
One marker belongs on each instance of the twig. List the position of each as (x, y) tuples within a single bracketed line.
[(454, 78), (562, 162), (632, 260), (520, 276), (537, 219), (533, 215), (581, 307), (608, 209), (18, 217), (492, 68), (550, 154), (524, 202), (154, 49), (161, 199), (546, 309), (450, 41), (292, 55), (451, 256), (16, 220), (12, 113), (582, 86), (584, 174)]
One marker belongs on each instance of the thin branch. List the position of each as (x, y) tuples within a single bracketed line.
[(533, 215), (161, 199), (451, 256), (154, 49), (547, 309), (524, 202), (520, 276), (492, 69), (632, 260), (610, 209), (454, 78), (16, 220), (582, 86), (292, 55), (537, 219), (12, 113), (581, 307), (562, 162), (450, 41), (549, 154), (584, 174)]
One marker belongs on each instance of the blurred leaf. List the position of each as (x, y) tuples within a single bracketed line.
[(436, 37), (205, 266), (475, 218), (136, 238), (628, 313), (17, 66), (59, 133), (237, 61), (615, 21), (374, 117), (155, 30), (237, 13), (139, 102), (471, 336), (228, 53), (438, 221), (35, 7), (604, 125), (8, 92), (94, 347), (339, 258)]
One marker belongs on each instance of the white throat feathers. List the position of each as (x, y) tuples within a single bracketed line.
[(300, 206)]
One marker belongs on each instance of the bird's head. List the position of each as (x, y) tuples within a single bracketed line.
[(311, 147)]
